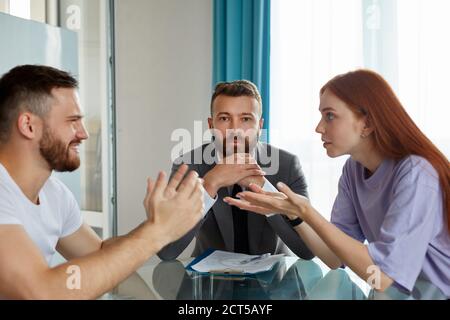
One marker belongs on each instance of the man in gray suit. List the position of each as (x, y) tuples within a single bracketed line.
[(234, 160)]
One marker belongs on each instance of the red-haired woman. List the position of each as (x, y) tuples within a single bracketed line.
[(394, 190)]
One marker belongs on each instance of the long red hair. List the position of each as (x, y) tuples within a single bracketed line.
[(395, 134)]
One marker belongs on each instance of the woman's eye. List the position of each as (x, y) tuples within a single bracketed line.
[(329, 116)]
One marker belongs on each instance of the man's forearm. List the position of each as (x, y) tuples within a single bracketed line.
[(211, 187), (101, 271)]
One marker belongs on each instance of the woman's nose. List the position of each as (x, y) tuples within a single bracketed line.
[(320, 127)]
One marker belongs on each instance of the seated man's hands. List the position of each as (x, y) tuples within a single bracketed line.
[(174, 207), (237, 168), (258, 180)]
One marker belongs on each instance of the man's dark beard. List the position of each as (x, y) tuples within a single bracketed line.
[(235, 148), (57, 153)]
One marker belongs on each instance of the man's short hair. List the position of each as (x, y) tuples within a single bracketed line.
[(28, 88), (238, 88)]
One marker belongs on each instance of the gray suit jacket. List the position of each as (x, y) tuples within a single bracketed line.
[(265, 234)]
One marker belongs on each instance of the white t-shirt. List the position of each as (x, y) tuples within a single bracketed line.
[(56, 216)]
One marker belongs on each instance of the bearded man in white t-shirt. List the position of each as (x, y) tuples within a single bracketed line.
[(41, 130)]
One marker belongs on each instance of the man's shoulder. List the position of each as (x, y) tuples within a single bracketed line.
[(7, 194), (10, 193), (56, 188), (272, 151), (277, 162), (204, 154), (10, 200), (272, 147), (199, 149)]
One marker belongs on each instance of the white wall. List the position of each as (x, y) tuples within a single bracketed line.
[(163, 82)]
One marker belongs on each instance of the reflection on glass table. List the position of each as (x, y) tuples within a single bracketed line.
[(291, 279)]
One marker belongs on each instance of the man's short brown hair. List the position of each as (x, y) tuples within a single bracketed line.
[(28, 88), (238, 88)]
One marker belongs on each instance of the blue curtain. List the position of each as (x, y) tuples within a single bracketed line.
[(242, 45)]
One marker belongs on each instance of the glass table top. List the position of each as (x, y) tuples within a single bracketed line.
[(290, 279)]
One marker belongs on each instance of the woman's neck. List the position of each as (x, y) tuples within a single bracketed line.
[(369, 157)]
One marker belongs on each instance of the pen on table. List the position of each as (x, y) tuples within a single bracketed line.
[(226, 271), (262, 256)]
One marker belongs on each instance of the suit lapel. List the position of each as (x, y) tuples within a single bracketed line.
[(255, 230), (256, 221), (224, 217), (222, 211), (260, 152)]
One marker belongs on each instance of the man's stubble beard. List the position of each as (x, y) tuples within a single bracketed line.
[(57, 153)]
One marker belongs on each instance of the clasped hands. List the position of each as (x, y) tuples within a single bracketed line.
[(240, 168)]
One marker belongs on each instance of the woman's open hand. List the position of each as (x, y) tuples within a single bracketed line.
[(285, 202)]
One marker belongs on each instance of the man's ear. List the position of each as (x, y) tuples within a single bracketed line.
[(27, 125), (210, 123), (260, 129)]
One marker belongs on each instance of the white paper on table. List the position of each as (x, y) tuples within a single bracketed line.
[(230, 262)]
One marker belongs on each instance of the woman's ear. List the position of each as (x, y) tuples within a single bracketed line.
[(368, 128)]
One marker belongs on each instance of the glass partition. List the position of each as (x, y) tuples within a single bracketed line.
[(74, 35)]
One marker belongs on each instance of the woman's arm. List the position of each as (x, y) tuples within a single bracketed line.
[(317, 246), (328, 242), (351, 252), (305, 232)]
